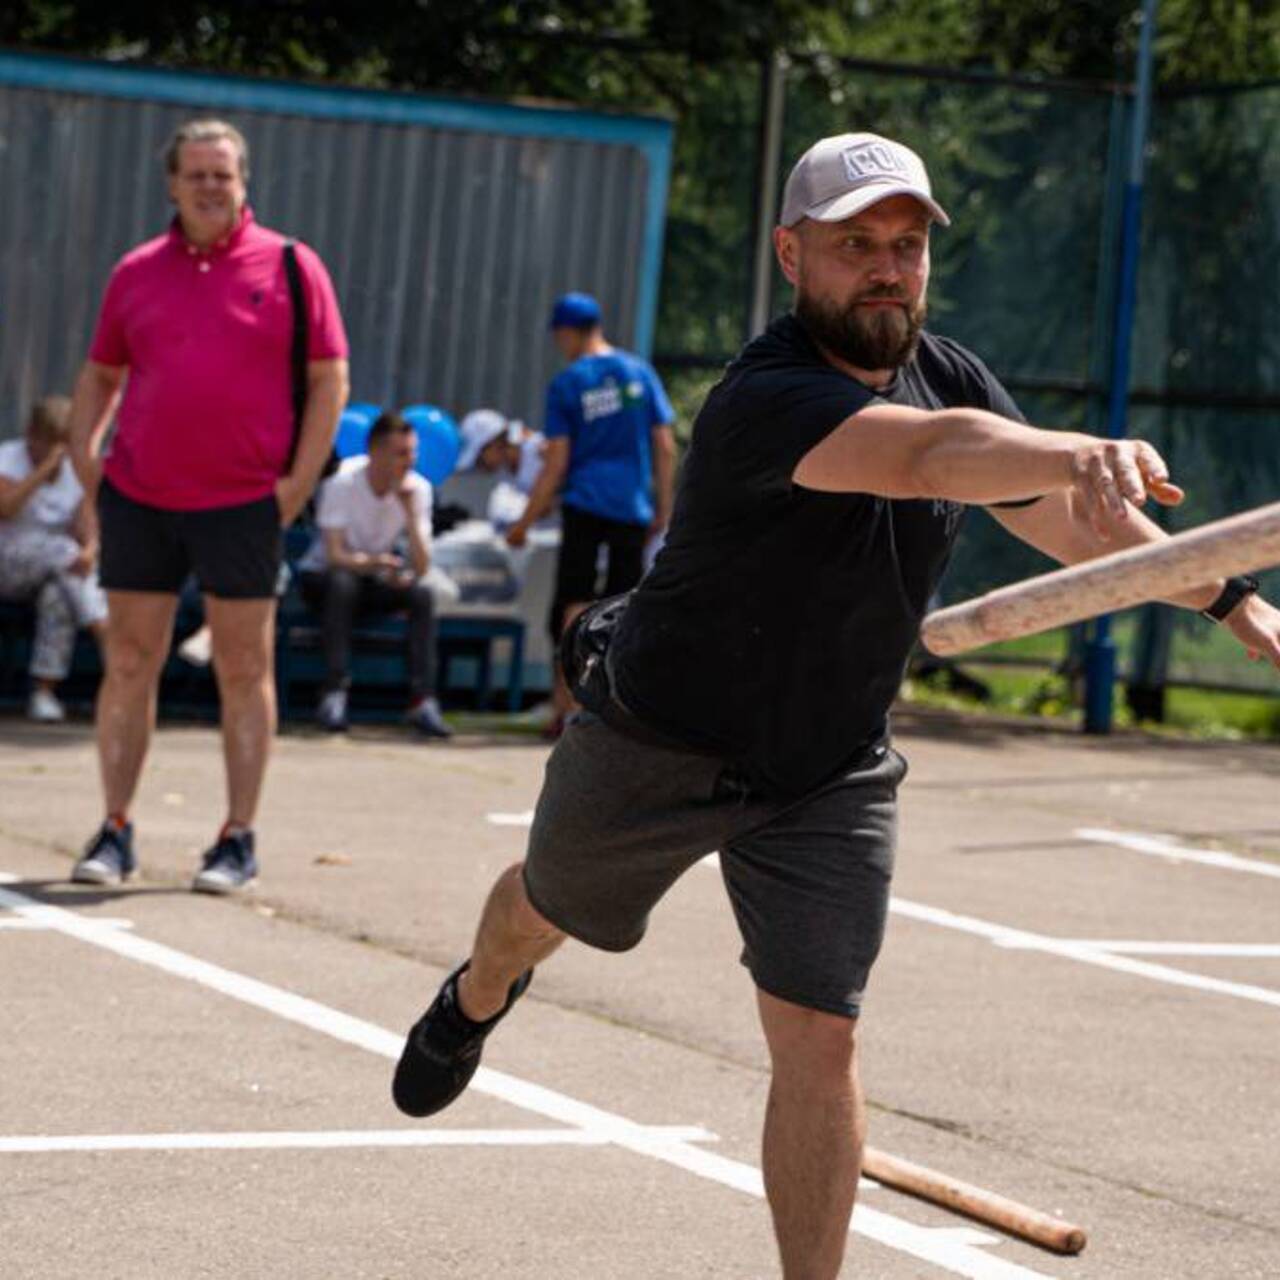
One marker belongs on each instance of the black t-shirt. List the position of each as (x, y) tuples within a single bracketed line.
[(776, 623)]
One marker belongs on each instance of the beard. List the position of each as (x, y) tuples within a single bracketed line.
[(875, 338)]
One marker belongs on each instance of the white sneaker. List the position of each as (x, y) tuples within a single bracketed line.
[(331, 714), (197, 648), (44, 708)]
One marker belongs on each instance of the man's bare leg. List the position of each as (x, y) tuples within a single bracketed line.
[(814, 1129), (136, 642), (243, 633), (512, 937)]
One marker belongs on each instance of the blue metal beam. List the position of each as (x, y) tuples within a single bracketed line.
[(1100, 652)]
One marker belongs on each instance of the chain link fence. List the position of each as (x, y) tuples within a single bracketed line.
[(1032, 174)]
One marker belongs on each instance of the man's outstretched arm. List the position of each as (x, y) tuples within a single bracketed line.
[(1058, 527), (972, 456)]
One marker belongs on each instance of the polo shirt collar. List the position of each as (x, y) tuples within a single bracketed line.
[(228, 242)]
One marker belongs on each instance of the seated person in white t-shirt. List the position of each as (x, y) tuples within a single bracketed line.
[(48, 553), (371, 507), (505, 447)]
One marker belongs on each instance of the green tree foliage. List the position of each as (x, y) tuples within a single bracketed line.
[(1021, 275), (535, 46)]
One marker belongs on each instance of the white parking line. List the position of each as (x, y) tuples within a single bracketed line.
[(1106, 955), (1139, 947), (341, 1138), (942, 1248), (1164, 847), (23, 925), (1022, 939), (522, 819)]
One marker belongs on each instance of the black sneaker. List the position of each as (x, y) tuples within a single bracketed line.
[(443, 1049), (228, 866), (108, 857)]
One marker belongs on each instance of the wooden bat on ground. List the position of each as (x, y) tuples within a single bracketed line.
[(1136, 575), (985, 1206)]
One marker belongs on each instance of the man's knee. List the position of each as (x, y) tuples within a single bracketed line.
[(132, 658), (242, 661), (421, 601), (342, 583), (805, 1044), (522, 915)]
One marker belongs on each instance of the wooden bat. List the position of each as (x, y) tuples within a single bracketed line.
[(985, 1206), (1133, 576)]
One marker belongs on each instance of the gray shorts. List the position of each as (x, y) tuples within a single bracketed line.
[(619, 821)]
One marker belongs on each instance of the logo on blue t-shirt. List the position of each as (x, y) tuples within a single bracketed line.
[(608, 406)]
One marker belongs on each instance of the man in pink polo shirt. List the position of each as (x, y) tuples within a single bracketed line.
[(211, 459)]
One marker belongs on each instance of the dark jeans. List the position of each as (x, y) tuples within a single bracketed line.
[(340, 597)]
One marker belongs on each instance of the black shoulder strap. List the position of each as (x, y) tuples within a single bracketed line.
[(298, 347)]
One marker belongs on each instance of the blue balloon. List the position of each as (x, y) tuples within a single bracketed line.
[(438, 441), (353, 429)]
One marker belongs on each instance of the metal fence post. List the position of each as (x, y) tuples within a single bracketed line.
[(1100, 652), (773, 88)]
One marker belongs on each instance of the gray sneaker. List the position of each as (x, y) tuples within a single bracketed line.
[(108, 858), (228, 866), (427, 718), (331, 714)]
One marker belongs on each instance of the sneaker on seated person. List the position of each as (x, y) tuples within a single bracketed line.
[(331, 714), (43, 706), (425, 716)]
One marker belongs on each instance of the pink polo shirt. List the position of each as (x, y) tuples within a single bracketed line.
[(207, 415)]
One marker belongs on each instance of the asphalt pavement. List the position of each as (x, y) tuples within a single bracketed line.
[(1078, 1006)]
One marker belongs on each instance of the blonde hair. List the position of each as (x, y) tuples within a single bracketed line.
[(51, 419), (206, 131)]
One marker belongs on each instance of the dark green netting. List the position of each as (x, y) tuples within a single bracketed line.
[(1033, 180)]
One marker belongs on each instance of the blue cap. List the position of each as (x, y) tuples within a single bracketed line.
[(575, 311)]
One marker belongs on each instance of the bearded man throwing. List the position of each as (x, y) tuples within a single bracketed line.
[(738, 700)]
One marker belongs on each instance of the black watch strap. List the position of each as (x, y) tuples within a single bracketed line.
[(1231, 595)]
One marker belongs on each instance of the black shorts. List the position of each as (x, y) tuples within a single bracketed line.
[(234, 552), (582, 534), (620, 820)]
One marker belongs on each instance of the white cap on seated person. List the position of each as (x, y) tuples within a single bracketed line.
[(479, 428)]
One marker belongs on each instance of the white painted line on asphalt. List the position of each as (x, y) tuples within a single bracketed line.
[(524, 819), (341, 1138), (1106, 955), (1165, 847), (20, 923), (1137, 947), (1022, 939), (953, 1256)]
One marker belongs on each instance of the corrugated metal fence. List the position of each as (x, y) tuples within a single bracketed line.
[(448, 225)]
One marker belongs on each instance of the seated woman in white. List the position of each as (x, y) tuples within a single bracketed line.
[(47, 555)]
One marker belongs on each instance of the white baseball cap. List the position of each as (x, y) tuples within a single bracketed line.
[(479, 428), (840, 176)]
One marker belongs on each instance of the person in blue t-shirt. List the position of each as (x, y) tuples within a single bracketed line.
[(610, 455)]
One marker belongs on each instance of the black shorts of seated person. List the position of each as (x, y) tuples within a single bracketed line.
[(234, 552), (619, 820)]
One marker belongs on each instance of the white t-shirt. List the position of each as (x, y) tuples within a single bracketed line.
[(509, 497), (52, 507), (369, 523), (531, 452)]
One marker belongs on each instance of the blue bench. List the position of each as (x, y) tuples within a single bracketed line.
[(377, 649), (377, 658)]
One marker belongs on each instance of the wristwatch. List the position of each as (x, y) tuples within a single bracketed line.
[(1231, 595)]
